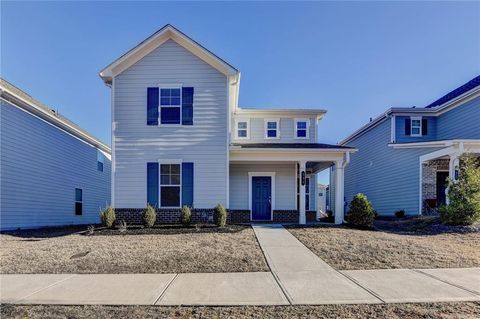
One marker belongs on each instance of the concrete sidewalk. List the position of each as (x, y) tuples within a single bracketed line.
[(298, 277)]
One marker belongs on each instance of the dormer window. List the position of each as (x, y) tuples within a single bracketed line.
[(242, 128), (301, 128), (416, 126), (272, 128)]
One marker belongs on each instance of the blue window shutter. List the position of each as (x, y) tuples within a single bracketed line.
[(152, 184), (187, 184), (424, 127), (408, 124), (187, 106), (152, 106)]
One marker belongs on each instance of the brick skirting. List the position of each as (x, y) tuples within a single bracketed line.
[(134, 216)]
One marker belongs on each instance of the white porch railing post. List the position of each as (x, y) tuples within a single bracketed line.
[(302, 178), (339, 193)]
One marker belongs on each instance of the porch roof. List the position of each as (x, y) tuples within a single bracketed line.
[(290, 146)]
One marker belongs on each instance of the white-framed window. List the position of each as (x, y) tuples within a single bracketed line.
[(242, 128), (170, 185), (416, 126), (170, 105), (272, 128), (301, 128)]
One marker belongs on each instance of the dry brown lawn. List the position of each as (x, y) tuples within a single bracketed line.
[(464, 310), (233, 249), (403, 244)]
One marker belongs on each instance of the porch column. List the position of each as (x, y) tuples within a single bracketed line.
[(302, 179), (339, 192)]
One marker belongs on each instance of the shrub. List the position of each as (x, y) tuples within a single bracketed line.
[(400, 213), (108, 217), (186, 215), (220, 215), (463, 194), (361, 213), (149, 216), (122, 226), (90, 230)]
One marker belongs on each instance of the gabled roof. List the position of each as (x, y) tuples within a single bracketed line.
[(16, 96), (154, 41), (473, 83)]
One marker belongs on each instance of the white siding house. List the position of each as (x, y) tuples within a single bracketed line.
[(51, 171), (180, 138)]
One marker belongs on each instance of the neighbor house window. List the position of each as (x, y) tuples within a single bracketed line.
[(170, 185), (170, 106), (242, 127), (272, 129), (301, 128), (416, 126), (78, 201), (100, 161)]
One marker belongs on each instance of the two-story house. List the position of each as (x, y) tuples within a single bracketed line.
[(405, 155), (180, 138), (52, 172)]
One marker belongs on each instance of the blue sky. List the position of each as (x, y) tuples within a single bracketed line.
[(354, 59)]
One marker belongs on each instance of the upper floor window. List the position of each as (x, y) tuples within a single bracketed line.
[(170, 106), (100, 161), (78, 201), (416, 126), (301, 128), (242, 128), (170, 185), (272, 129)]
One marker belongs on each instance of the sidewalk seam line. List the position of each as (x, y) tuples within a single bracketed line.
[(164, 291), (44, 288), (445, 282), (359, 285)]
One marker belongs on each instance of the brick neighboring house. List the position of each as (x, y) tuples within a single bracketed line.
[(405, 155), (180, 138)]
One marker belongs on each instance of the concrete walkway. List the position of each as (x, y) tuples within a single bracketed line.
[(297, 276)]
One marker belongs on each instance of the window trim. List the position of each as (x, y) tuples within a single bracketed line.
[(248, 129), (168, 162), (169, 86), (277, 129), (416, 118), (75, 202), (307, 133)]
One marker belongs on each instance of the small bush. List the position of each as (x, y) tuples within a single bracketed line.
[(463, 194), (220, 215), (108, 217), (186, 216), (400, 213), (149, 216), (90, 230), (361, 213), (122, 226)]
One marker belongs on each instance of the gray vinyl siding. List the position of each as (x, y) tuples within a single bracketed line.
[(400, 130), (462, 122), (41, 165), (285, 192), (287, 130), (389, 177), (204, 143)]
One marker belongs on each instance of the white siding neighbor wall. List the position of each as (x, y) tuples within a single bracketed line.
[(204, 143), (285, 192), (40, 167)]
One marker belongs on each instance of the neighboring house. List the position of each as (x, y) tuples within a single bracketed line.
[(52, 172), (405, 155), (322, 199), (179, 138)]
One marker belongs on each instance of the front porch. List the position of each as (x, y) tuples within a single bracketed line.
[(277, 182), (439, 166)]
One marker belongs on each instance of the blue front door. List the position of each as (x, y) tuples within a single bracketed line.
[(261, 197)]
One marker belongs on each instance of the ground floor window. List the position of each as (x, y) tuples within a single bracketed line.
[(78, 201), (170, 185)]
